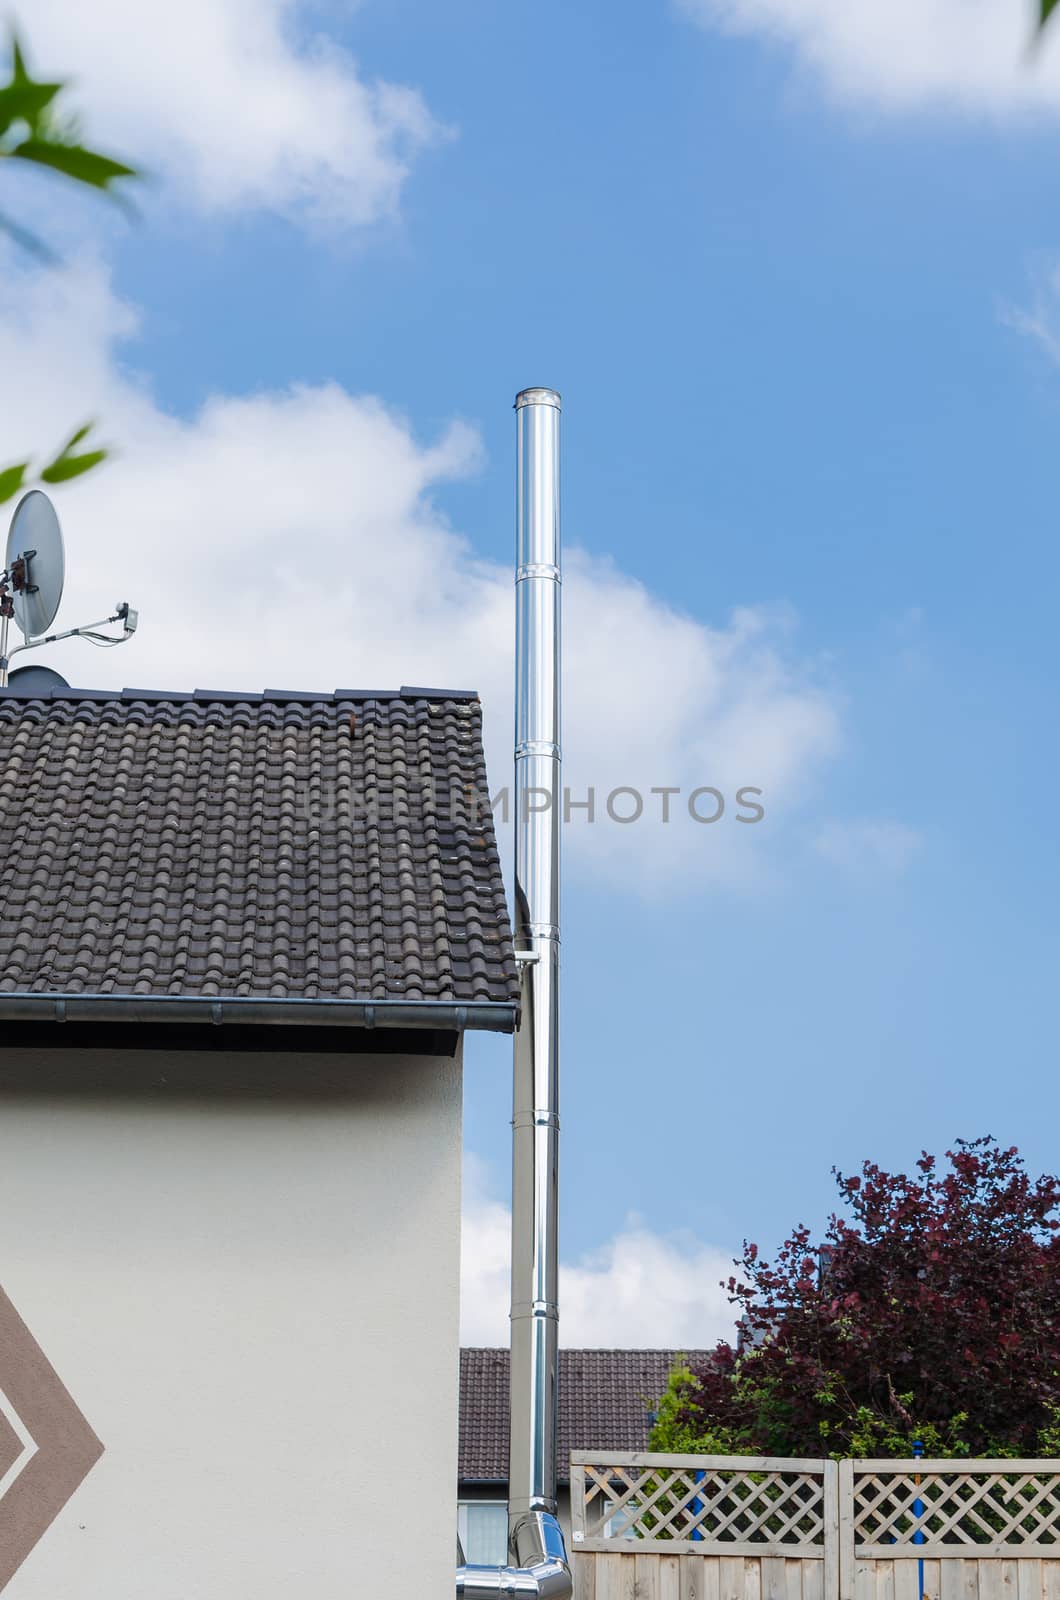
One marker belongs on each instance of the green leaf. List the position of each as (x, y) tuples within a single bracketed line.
[(75, 438), (12, 479), (25, 102), (65, 467), (1048, 7), (19, 73), (74, 161), (58, 468), (22, 100)]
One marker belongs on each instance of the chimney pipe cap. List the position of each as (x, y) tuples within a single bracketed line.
[(538, 397)]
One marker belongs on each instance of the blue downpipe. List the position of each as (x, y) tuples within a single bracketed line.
[(918, 1512)]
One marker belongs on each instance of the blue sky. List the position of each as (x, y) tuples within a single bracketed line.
[(798, 280)]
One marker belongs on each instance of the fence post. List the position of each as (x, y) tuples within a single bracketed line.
[(831, 1530), (577, 1499), (846, 1530)]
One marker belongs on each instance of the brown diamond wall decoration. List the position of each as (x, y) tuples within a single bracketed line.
[(47, 1448)]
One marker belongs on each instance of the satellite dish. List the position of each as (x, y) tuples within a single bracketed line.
[(36, 563), (35, 681)]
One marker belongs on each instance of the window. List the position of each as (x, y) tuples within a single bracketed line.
[(620, 1524), (483, 1529)]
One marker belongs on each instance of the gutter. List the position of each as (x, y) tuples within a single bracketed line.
[(487, 1015)]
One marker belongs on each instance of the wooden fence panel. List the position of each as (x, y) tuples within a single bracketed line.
[(818, 1579), (733, 1506), (692, 1577), (669, 1577), (656, 1527), (730, 1576), (774, 1572), (708, 1585), (651, 1575), (955, 1510)]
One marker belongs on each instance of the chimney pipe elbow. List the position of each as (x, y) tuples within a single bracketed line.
[(543, 1573)]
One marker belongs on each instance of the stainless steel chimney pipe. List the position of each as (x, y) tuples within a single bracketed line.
[(535, 1120), (535, 1536)]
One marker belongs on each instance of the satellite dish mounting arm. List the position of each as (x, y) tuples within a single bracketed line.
[(89, 630), (7, 611)]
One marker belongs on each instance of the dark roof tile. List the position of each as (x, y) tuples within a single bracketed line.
[(222, 844), (605, 1403)]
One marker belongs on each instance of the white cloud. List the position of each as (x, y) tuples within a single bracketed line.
[(967, 55), (485, 1254), (866, 845), (290, 539), (638, 1290), (1039, 319), (656, 698), (234, 103), (648, 1289)]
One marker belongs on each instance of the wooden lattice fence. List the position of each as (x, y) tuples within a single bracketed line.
[(662, 1527), (983, 1530)]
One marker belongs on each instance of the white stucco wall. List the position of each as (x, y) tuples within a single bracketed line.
[(254, 1301)]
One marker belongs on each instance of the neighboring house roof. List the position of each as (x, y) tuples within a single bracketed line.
[(606, 1398), (299, 850)]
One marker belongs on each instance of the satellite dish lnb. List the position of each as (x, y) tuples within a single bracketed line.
[(35, 563)]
